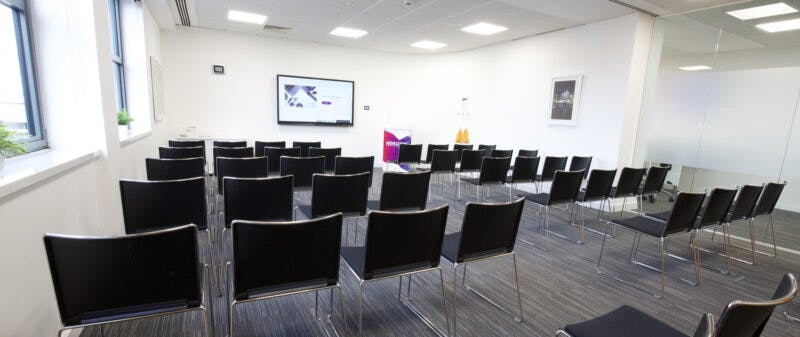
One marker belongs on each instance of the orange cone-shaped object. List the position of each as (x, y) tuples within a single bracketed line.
[(459, 136), (465, 136)]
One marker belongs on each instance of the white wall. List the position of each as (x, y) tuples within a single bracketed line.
[(507, 85)]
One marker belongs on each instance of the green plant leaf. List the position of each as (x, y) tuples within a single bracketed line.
[(9, 145)]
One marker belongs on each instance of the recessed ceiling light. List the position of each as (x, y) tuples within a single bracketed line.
[(762, 11), (425, 44), (695, 68), (484, 28), (247, 17), (780, 26), (348, 32)]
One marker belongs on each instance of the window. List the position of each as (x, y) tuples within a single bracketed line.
[(116, 53), (19, 104)]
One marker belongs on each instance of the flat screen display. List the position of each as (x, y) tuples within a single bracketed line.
[(315, 101)]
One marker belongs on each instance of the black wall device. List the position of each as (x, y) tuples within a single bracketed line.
[(219, 70)]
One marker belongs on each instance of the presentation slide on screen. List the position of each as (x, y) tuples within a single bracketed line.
[(314, 100)]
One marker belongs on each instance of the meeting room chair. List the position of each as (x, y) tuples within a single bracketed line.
[(181, 152), (563, 191), (403, 191), (528, 153), (231, 152), (103, 280), (186, 143), (409, 154), (765, 207), (681, 220), (502, 153), (154, 205), (353, 165), (523, 171), (461, 147), (713, 215), (488, 231), (274, 155), (742, 211), (487, 149), (627, 186), (580, 163), (399, 244), (549, 168), (443, 163), (230, 144), (276, 259), (174, 169), (259, 146), (431, 148), (494, 171), (346, 194), (597, 189), (653, 184), (471, 161), (253, 167), (304, 146), (302, 169), (330, 155), (738, 318)]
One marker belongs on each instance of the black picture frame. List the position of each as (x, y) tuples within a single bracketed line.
[(278, 102)]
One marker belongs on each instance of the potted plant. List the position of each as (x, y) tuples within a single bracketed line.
[(9, 146), (124, 118)]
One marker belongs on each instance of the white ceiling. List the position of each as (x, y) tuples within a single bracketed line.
[(393, 25)]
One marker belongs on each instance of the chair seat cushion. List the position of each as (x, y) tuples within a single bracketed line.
[(538, 198), (661, 215), (450, 246), (642, 225), (354, 257), (624, 321)]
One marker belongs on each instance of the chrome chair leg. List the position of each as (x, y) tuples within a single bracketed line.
[(455, 300), (516, 281), (663, 270), (752, 240), (360, 305)]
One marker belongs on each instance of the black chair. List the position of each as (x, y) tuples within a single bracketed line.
[(330, 155), (653, 183), (713, 215), (154, 205), (346, 194), (258, 199), (181, 152), (399, 244), (174, 169), (102, 280), (738, 319), (409, 154), (443, 163), (302, 169), (580, 163), (487, 148), (471, 161), (254, 167), (304, 146), (563, 191), (275, 259), (528, 153), (744, 210), (259, 146), (461, 147), (431, 148), (186, 143), (353, 165), (274, 155), (681, 221), (597, 189), (488, 231), (231, 152), (225, 143), (765, 206), (403, 191), (501, 153), (549, 168), (627, 186), (493, 172), (524, 171)]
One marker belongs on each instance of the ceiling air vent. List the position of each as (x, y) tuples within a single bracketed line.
[(183, 12), (276, 29)]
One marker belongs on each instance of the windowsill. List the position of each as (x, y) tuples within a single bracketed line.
[(27, 170), (128, 136)]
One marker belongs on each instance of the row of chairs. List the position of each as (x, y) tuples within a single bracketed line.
[(329, 154), (412, 153), (257, 145)]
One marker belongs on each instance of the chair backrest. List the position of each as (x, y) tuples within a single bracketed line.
[(330, 155), (339, 193), (431, 148), (405, 191), (398, 242), (444, 161), (489, 229), (231, 152), (409, 153), (461, 147), (629, 181), (173, 169), (304, 146), (99, 279), (525, 169), (225, 143), (494, 170), (684, 213), (654, 181), (254, 167), (580, 163), (745, 205), (280, 256), (352, 165), (551, 165), (502, 153), (748, 318), (599, 185), (489, 147), (471, 160), (303, 169), (153, 205), (258, 199), (274, 155), (565, 187), (181, 152), (528, 153), (719, 204), (769, 198), (259, 146), (186, 143)]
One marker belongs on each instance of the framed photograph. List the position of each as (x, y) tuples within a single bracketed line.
[(565, 94)]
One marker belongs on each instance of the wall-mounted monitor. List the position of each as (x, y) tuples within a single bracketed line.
[(315, 101)]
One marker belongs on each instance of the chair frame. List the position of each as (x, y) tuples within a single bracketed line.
[(545, 216), (488, 184)]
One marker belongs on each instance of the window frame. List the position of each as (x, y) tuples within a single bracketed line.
[(117, 53), (30, 86)]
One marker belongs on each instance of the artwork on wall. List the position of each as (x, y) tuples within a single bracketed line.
[(157, 89), (565, 94)]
